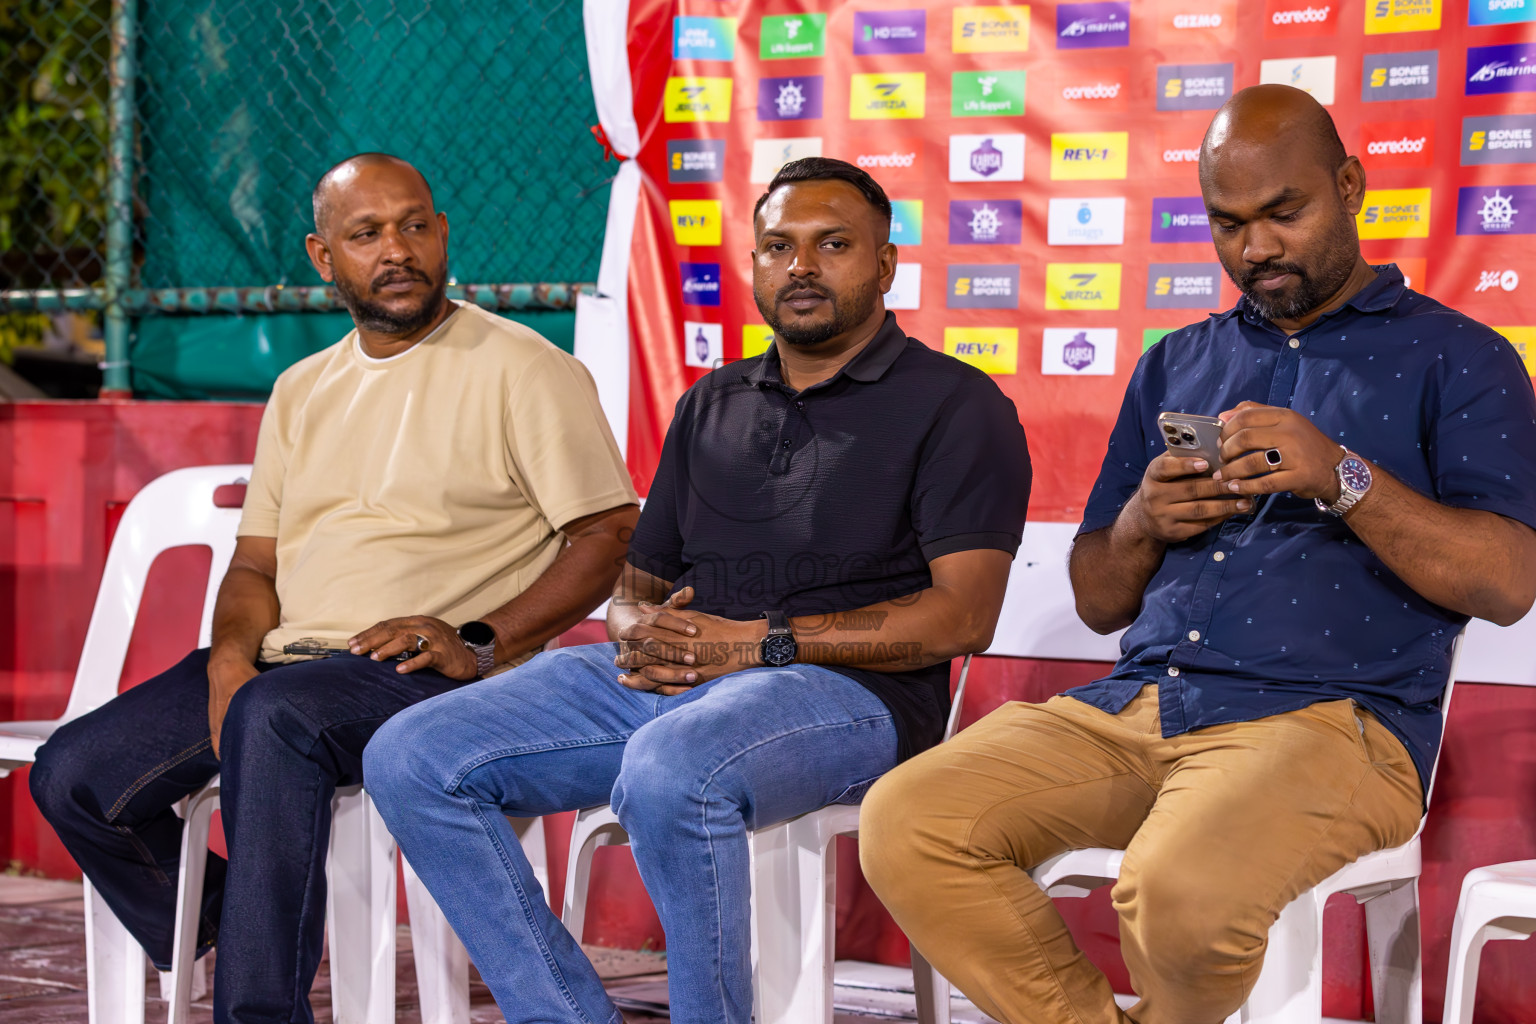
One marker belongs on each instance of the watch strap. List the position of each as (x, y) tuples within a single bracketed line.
[(778, 623)]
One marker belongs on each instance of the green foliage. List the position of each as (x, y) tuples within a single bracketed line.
[(21, 330)]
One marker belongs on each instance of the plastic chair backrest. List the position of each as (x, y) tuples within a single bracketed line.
[(1445, 718), (954, 705), (171, 511)]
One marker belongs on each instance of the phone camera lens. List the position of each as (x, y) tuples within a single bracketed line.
[(1170, 429), (1189, 439)]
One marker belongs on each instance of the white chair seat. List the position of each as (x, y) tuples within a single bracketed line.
[(1497, 902)]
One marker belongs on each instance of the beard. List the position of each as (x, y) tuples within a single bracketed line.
[(1314, 285), (374, 316), (848, 312)]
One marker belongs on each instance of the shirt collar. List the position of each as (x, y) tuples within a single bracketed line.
[(868, 366), (1377, 297)]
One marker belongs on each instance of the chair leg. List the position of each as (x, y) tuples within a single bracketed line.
[(530, 833), (360, 912), (794, 916), (1471, 932), (442, 963), (1392, 930), (594, 827), (932, 990), (114, 965), (181, 980), (1290, 985)]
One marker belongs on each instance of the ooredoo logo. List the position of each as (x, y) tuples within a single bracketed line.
[(1398, 143), (1088, 89), (888, 159), (1290, 19)]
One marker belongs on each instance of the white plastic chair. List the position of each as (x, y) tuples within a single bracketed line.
[(794, 904), (1290, 985), (1497, 902)]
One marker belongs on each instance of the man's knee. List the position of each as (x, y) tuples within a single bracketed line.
[(1188, 918), (908, 830), (396, 762), (660, 781), (61, 765)]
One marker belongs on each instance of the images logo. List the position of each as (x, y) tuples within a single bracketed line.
[(1088, 156), (1081, 26), (796, 98), (703, 344), (1505, 280), (703, 38), (986, 158), (1399, 76), (1098, 221), (1310, 74), (1509, 68), (701, 284), (1193, 86), (1288, 19), (873, 97), (1394, 213), (690, 161), (1399, 143), (1082, 286), (793, 35), (989, 349), (1183, 285), (985, 221), (983, 286), (876, 32), (987, 94), (1180, 219), (907, 221), (1499, 139), (768, 155), (695, 221), (1500, 12), (1501, 210), (906, 288), (991, 30), (1382, 16), (1071, 351), (696, 99)]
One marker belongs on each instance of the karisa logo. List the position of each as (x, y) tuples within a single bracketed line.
[(1078, 353), (1506, 280), (986, 159), (701, 346)]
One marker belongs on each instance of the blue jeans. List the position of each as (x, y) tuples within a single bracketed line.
[(107, 781), (687, 776)]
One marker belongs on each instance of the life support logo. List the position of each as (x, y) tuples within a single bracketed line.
[(1089, 156), (786, 36), (1394, 213), (696, 99), (987, 93)]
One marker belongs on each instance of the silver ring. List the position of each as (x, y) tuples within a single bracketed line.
[(1272, 456), (421, 643)]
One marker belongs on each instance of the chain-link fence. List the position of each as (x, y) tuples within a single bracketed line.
[(233, 108)]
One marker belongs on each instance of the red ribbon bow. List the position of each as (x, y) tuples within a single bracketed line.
[(608, 150)]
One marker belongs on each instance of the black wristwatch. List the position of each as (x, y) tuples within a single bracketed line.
[(778, 647), (481, 641)]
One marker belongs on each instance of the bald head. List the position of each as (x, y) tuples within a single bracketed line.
[(1276, 118), (345, 176)]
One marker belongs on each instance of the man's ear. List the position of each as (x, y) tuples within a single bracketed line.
[(887, 266), (442, 223), (320, 255), (1351, 181)]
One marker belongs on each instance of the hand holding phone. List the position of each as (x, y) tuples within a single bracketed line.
[(1192, 437), (311, 648)]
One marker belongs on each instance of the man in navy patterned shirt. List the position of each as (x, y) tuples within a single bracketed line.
[(1275, 712)]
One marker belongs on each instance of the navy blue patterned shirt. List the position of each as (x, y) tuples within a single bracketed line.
[(1285, 607)]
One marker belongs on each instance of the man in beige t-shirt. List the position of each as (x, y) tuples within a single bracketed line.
[(440, 485)]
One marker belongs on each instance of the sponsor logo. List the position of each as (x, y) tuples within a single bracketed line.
[(888, 159), (1081, 26), (1498, 139), (1088, 156), (983, 286), (1184, 22), (703, 38), (1524, 341), (1399, 76), (1152, 335), (1082, 286), (1500, 12), (701, 284), (1178, 151), (873, 97), (1088, 89), (690, 161), (795, 98), (876, 32), (1503, 280), (1094, 221), (990, 30), (1193, 86), (1180, 219), (906, 288), (1394, 213), (907, 221), (703, 344), (1312, 75), (985, 221), (755, 339), (1399, 143), (986, 158), (1071, 351), (989, 349), (1382, 16), (695, 221), (793, 35), (1496, 210), (987, 94), (1288, 19), (768, 155), (1183, 285), (1509, 68), (696, 99)]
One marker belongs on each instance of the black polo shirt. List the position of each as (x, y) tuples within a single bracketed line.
[(838, 496)]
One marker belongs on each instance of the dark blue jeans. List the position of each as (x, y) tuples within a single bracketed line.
[(107, 781)]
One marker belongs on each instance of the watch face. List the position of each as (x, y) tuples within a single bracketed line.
[(477, 634), (779, 650), (1355, 474)]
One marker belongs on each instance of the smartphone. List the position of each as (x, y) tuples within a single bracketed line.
[(317, 649), (1192, 437)]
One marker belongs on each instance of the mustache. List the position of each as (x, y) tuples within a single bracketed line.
[(402, 274), (1269, 269)]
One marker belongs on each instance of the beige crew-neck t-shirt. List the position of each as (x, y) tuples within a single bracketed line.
[(433, 482)]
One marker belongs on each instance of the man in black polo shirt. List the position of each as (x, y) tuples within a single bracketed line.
[(830, 524)]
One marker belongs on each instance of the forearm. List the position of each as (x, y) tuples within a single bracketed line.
[(923, 629), (633, 587), (1110, 569), (576, 582), (244, 612)]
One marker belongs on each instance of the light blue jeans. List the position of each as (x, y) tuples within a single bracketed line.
[(687, 777)]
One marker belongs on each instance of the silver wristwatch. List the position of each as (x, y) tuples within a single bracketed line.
[(1354, 480), (481, 641)]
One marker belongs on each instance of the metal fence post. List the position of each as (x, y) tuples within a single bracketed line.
[(119, 249)]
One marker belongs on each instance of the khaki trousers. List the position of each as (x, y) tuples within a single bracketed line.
[(1222, 828)]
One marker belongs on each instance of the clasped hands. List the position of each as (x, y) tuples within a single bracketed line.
[(670, 650), (1176, 500)]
